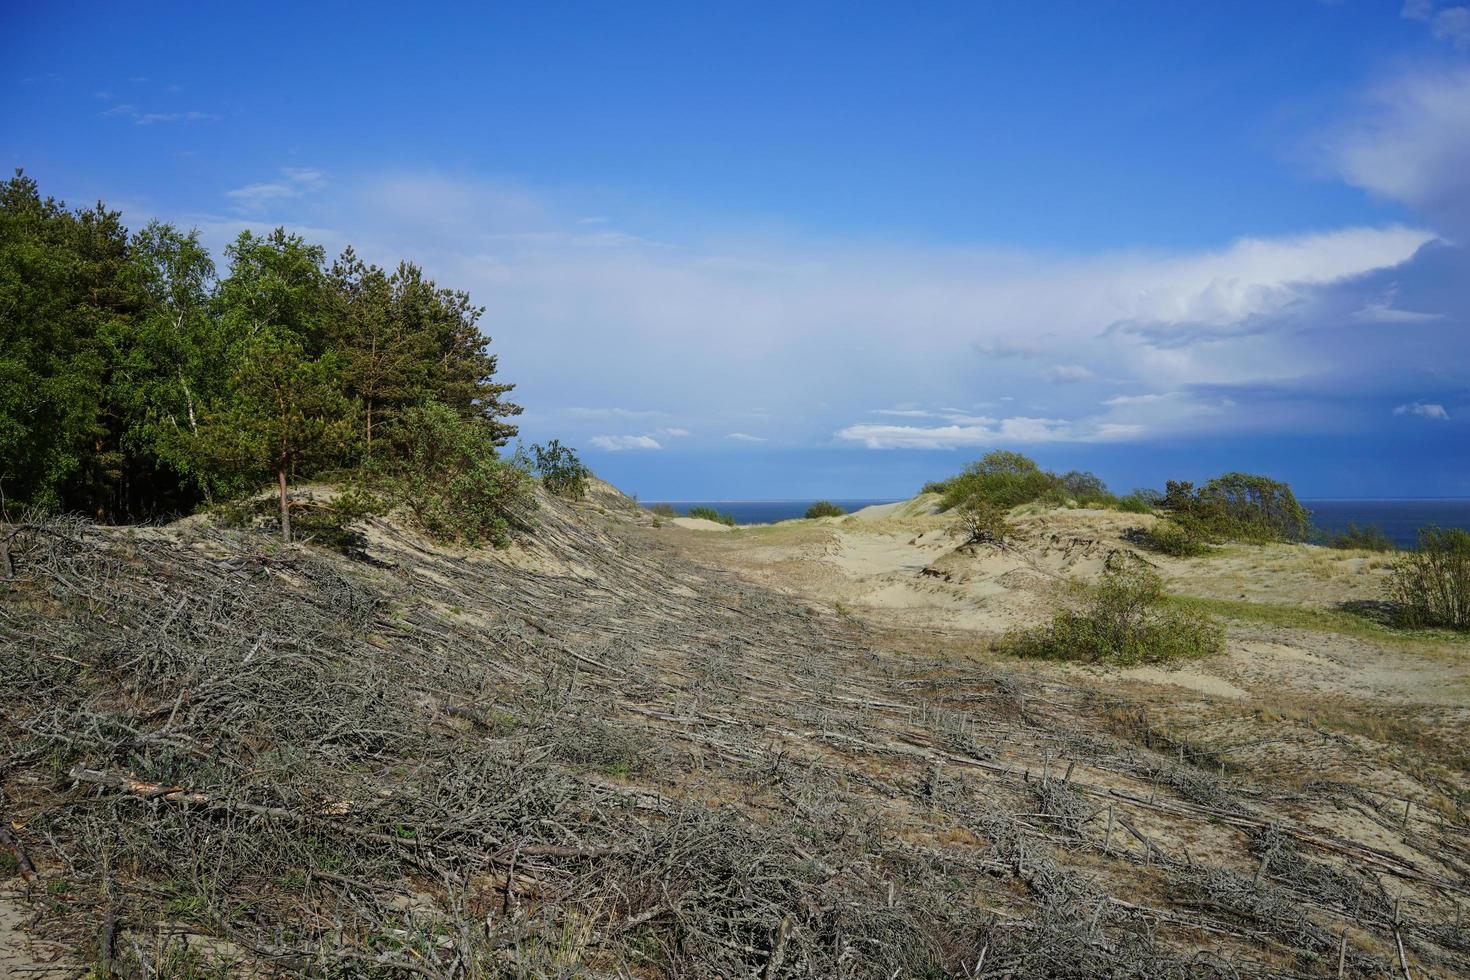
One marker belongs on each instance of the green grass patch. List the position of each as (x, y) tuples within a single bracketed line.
[(1358, 621)]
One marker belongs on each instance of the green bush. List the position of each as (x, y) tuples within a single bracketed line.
[(1431, 585), (710, 514), (824, 508), (1123, 620), (1367, 538), (444, 469), (664, 510), (1008, 479), (1172, 539), (1134, 504), (560, 469), (981, 521), (1238, 507)]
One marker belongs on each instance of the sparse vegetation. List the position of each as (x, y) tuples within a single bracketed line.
[(1367, 538), (1431, 584), (1169, 538), (663, 510), (1237, 507), (1123, 620), (981, 521), (562, 472), (704, 513), (1008, 479), (1135, 504), (824, 508)]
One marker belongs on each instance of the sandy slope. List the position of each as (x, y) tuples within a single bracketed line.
[(1293, 651), (573, 755)]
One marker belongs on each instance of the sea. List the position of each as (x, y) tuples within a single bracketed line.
[(1399, 519)]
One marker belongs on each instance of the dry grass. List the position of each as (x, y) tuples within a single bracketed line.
[(228, 755)]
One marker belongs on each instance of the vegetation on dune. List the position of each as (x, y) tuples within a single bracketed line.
[(1237, 507), (562, 472), (664, 510), (1123, 620), (1169, 538), (444, 469), (136, 382), (1007, 479), (710, 514), (1232, 507), (1370, 537), (1136, 502), (1431, 584), (982, 522), (824, 508)]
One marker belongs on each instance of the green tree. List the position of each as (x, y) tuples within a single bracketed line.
[(386, 363), (60, 285), (1238, 506), (285, 411), (165, 363), (445, 470), (561, 470)]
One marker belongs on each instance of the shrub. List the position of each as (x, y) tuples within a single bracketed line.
[(710, 514), (444, 469), (1171, 539), (1238, 507), (824, 508), (983, 522), (1431, 585), (1122, 620), (1134, 504), (560, 469), (1008, 479), (1001, 477), (1367, 538), (664, 510), (330, 524), (1084, 489)]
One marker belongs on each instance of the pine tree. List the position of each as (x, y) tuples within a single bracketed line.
[(284, 412)]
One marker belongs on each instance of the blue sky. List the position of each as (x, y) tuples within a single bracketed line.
[(780, 250)]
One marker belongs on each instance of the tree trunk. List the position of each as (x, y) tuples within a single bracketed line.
[(285, 509)]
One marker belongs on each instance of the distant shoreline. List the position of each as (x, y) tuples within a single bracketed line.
[(1400, 518)]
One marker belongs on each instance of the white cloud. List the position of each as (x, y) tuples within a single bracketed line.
[(674, 433), (1385, 312), (1146, 399), (1065, 374), (294, 182), (614, 444), (141, 118), (744, 437), (1413, 146), (816, 332), (1019, 429), (1427, 410), (1450, 24)]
